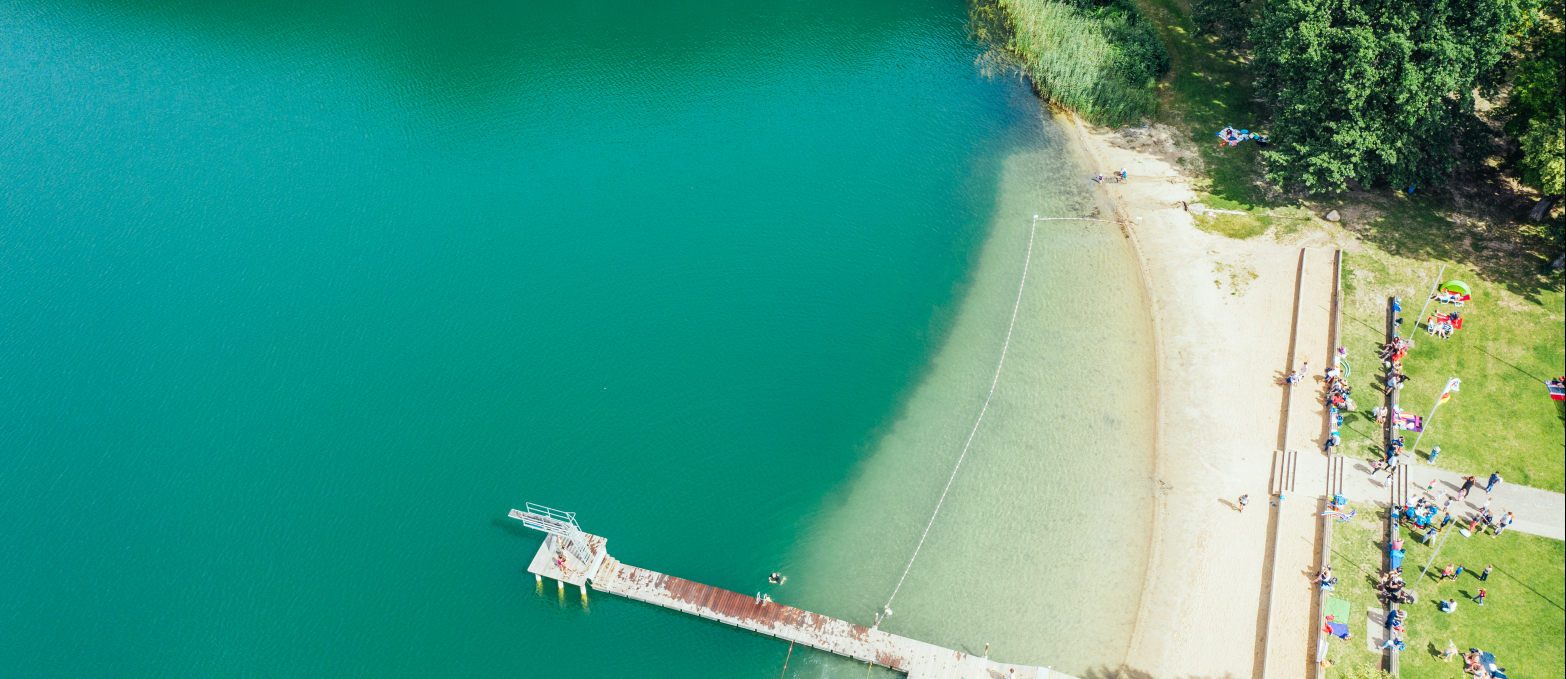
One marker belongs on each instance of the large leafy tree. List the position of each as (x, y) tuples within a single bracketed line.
[(1369, 90), (1537, 103)]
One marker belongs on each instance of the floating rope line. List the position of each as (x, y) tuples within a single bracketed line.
[(1028, 258)]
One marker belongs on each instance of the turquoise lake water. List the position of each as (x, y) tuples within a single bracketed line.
[(299, 299)]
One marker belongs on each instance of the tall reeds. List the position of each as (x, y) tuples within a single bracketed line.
[(1100, 58)]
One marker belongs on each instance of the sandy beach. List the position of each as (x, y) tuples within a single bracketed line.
[(1223, 313)]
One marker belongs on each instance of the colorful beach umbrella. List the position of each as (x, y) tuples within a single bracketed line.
[(1457, 287)]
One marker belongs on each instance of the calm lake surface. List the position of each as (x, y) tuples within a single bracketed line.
[(298, 299)]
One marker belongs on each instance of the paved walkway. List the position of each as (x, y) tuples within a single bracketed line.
[(1538, 512)]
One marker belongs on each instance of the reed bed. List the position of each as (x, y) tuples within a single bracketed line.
[(1100, 59)]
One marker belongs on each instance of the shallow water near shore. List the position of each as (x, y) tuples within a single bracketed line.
[(1041, 546), (300, 299)]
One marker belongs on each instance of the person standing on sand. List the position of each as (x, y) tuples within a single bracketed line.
[(1244, 500)]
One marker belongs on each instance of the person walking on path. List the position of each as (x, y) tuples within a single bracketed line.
[(1468, 484), (1503, 524), (1485, 576), (1244, 500), (1480, 599), (1495, 480)]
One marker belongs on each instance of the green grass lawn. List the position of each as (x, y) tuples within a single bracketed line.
[(1208, 89), (1502, 418), (1522, 621)]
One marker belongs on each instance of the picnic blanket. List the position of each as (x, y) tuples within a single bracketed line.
[(1335, 607), (1410, 422)]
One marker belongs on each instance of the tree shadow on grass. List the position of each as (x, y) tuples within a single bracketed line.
[(1489, 238), (1514, 367), (1528, 587)]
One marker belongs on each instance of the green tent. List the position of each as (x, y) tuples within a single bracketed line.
[(1458, 287)]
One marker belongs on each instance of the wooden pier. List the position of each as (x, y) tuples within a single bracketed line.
[(916, 659)]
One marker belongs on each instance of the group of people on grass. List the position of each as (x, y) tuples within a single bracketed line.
[(1425, 516), (1391, 588), (1440, 324), (1443, 325), (1405, 421), (1337, 507), (1394, 351), (1476, 662), (1396, 627), (1481, 665), (1229, 136), (1338, 390)]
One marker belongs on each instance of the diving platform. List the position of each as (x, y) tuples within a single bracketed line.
[(586, 563)]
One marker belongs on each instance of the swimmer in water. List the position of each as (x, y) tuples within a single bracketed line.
[(777, 578)]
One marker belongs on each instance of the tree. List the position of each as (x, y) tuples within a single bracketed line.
[(1543, 164), (1228, 20), (1537, 103), (1369, 90)]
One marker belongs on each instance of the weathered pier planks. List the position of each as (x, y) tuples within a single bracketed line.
[(917, 659)]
